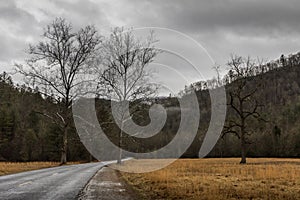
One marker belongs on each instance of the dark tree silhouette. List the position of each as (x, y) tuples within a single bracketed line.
[(57, 65), (242, 102)]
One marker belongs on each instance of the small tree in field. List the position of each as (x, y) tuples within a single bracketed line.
[(124, 77), (57, 65), (242, 101)]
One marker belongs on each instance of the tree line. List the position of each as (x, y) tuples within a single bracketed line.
[(259, 68)]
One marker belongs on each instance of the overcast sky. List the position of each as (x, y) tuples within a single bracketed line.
[(265, 29)]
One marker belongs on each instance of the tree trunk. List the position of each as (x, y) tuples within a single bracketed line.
[(90, 158), (243, 155), (243, 148), (120, 147), (243, 142), (64, 149)]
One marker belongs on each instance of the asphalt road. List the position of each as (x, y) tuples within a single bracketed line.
[(63, 182)]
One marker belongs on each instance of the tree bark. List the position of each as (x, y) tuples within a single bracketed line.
[(243, 148), (243, 139), (243, 156), (120, 148), (64, 149)]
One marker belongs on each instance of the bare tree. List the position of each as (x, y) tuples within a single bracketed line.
[(124, 77), (57, 65), (242, 101), (217, 69)]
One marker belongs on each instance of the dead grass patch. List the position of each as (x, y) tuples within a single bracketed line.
[(262, 178)]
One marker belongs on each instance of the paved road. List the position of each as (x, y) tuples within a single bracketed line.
[(63, 182)]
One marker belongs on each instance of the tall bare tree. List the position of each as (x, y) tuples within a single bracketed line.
[(242, 101), (217, 69), (124, 77), (57, 65)]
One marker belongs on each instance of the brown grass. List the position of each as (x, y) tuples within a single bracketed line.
[(15, 167), (209, 179)]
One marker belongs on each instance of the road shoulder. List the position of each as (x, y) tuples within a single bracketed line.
[(106, 184)]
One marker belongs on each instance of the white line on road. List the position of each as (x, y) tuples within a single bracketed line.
[(26, 183)]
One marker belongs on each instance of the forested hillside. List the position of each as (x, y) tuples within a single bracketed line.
[(27, 135), (277, 91), (277, 131)]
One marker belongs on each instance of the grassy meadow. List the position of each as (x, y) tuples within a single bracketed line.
[(216, 179)]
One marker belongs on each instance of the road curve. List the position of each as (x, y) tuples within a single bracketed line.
[(63, 182)]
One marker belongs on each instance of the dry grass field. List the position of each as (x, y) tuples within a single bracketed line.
[(216, 179), (15, 167)]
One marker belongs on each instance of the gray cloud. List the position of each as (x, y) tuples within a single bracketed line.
[(17, 27), (247, 27), (263, 29), (248, 17), (81, 13)]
